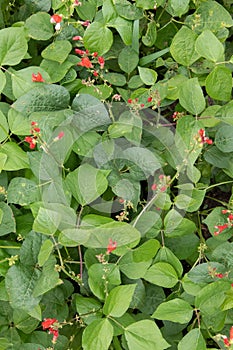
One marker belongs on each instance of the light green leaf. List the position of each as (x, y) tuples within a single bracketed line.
[(57, 71), (191, 96), (128, 59), (177, 7), (5, 344), (219, 83), (24, 322), (118, 300), (98, 38), (87, 183), (98, 335), (4, 128), (2, 80), (162, 274), (146, 250), (39, 26), (89, 309), (133, 269), (7, 224), (18, 123), (150, 36), (57, 51), (124, 28), (224, 138), (183, 47), (147, 75), (145, 335), (175, 310), (13, 46), (16, 158), (49, 278), (193, 340), (175, 225), (22, 191), (45, 251), (47, 221), (208, 46)]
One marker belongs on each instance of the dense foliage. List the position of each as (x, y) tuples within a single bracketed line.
[(116, 211)]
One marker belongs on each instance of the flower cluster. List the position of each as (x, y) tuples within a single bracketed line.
[(226, 225), (202, 138), (134, 104), (37, 78), (89, 60), (35, 131), (163, 183), (52, 325), (155, 99), (112, 245), (213, 273), (177, 115), (56, 19)]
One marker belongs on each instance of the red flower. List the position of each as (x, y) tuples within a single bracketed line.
[(226, 341), (154, 187), (77, 37), (219, 275), (48, 322), (220, 228), (142, 105), (230, 217), (85, 62), (95, 54), (203, 138), (85, 23), (149, 99), (37, 77), (56, 18), (80, 52), (31, 141), (111, 246), (101, 61), (95, 73), (130, 100), (77, 3), (225, 211)]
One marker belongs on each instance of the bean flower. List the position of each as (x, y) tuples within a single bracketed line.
[(57, 20)]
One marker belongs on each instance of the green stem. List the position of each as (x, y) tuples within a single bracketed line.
[(9, 247)]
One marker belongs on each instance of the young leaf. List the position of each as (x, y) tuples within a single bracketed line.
[(175, 310), (193, 341), (118, 300), (145, 335), (13, 46), (98, 335), (191, 96), (162, 274)]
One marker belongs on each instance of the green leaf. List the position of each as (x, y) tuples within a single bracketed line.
[(2, 80), (115, 79), (22, 80), (224, 138), (183, 47), (57, 51), (4, 128), (145, 335), (121, 232), (166, 255), (87, 183), (177, 7), (118, 300), (22, 191), (39, 26), (219, 83), (98, 38), (57, 71), (147, 75), (127, 10), (16, 158), (191, 96), (87, 10), (128, 59), (162, 274), (18, 123), (211, 297), (47, 221), (102, 93), (89, 309), (96, 282), (48, 279), (208, 46), (20, 283), (43, 98), (225, 113), (175, 225), (13, 46), (193, 341), (45, 251), (150, 36), (146, 251), (7, 224), (133, 269), (124, 28), (175, 310), (211, 15), (97, 335), (24, 322)]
